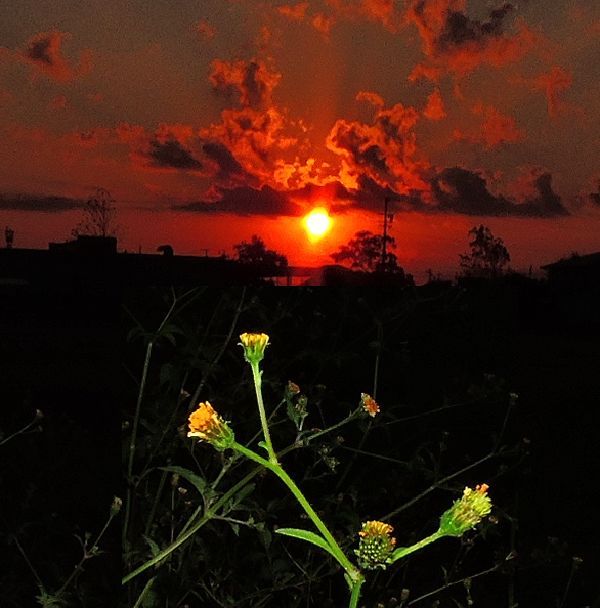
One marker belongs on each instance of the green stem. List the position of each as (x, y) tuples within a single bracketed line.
[(337, 425), (132, 441), (404, 551), (86, 555), (261, 411), (183, 536), (191, 531), (355, 594), (276, 468)]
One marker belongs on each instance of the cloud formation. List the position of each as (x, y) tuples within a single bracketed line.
[(44, 53), (43, 204), (459, 190), (495, 129), (455, 43), (170, 153), (384, 151), (434, 110), (553, 84), (251, 80), (246, 201)]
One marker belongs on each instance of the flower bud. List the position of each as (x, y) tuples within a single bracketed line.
[(254, 346), (375, 546), (116, 505), (209, 426), (467, 512), (369, 404)]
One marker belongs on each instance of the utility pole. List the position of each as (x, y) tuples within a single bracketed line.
[(387, 221), (384, 244)]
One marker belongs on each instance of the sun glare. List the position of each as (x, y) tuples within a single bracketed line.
[(317, 222)]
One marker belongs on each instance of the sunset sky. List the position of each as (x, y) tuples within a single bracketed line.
[(210, 121)]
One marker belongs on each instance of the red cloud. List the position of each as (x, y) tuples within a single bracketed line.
[(383, 151), (552, 84), (455, 43), (380, 11), (295, 12), (496, 129), (434, 110), (44, 54), (323, 23), (204, 29), (60, 102), (252, 80)]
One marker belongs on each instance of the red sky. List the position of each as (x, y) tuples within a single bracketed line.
[(210, 122)]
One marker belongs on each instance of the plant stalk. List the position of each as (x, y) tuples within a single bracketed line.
[(355, 594), (404, 551), (261, 410), (276, 468)]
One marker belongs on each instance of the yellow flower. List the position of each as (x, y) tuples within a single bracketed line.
[(376, 545), (467, 512), (254, 346), (206, 424), (369, 404)]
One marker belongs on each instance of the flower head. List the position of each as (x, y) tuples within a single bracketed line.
[(467, 512), (375, 545), (254, 346), (369, 404), (292, 388), (116, 505), (209, 426)]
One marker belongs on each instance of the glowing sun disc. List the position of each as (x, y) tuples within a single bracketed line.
[(317, 222)]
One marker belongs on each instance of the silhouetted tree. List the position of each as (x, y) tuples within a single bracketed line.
[(363, 252), (256, 252), (99, 215), (488, 255)]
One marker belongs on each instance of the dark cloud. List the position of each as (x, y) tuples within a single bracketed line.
[(228, 167), (171, 153), (383, 150), (314, 193), (459, 190), (453, 190), (44, 204), (44, 52), (252, 80), (39, 50), (547, 203), (460, 29), (454, 42), (246, 201)]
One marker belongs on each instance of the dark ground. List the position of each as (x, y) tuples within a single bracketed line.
[(62, 352)]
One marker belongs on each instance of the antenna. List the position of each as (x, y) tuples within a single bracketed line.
[(9, 237)]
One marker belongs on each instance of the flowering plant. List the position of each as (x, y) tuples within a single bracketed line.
[(376, 547)]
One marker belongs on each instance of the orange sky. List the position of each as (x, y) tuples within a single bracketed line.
[(209, 123)]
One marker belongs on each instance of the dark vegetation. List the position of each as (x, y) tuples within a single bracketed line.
[(59, 353), (445, 369), (447, 360)]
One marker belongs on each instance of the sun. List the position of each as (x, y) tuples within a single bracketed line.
[(317, 223)]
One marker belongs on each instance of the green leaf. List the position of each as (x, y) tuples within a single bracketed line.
[(310, 537), (193, 478), (236, 500), (154, 548)]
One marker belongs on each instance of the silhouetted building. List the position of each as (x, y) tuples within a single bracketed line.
[(93, 262), (337, 276), (579, 272)]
